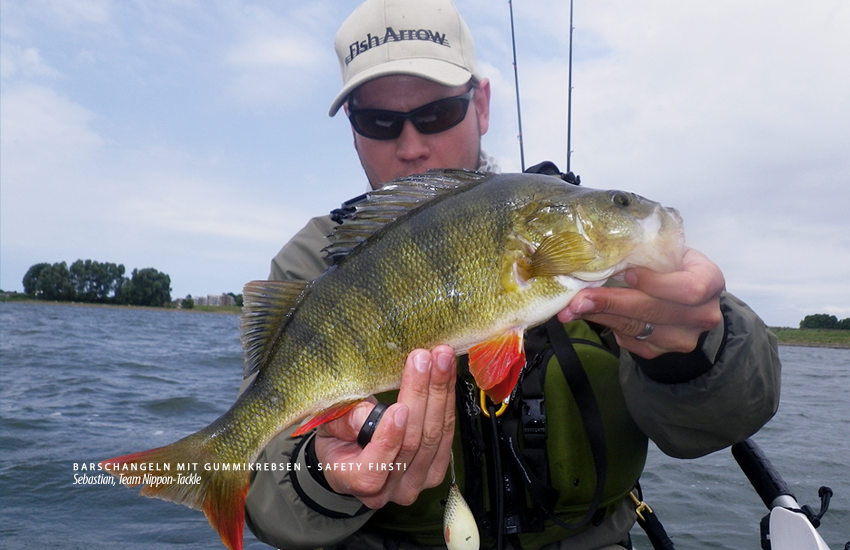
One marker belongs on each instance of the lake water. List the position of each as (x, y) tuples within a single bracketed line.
[(82, 384)]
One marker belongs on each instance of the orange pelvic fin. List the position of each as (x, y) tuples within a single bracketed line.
[(220, 494), (326, 415), (496, 364)]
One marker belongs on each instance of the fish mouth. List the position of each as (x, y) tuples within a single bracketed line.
[(673, 232), (663, 246)]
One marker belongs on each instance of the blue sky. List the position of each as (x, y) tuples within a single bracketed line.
[(192, 136)]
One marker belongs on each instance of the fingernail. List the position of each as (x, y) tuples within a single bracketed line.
[(630, 278), (565, 316), (444, 361), (585, 306), (422, 362), (400, 417)]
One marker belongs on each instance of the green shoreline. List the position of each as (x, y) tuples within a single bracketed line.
[(813, 338), (787, 336), (233, 310)]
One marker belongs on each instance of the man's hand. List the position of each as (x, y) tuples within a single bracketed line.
[(681, 305), (414, 434)]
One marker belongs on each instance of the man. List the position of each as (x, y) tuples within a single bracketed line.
[(672, 357)]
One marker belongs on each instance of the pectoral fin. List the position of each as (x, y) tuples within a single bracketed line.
[(561, 254), (496, 364)]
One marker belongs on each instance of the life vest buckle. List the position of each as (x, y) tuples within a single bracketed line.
[(640, 506)]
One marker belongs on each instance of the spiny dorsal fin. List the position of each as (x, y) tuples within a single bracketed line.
[(267, 307), (393, 201)]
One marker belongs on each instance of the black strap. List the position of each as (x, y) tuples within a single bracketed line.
[(652, 526), (347, 209), (534, 460), (544, 495), (473, 446), (525, 429), (591, 416), (655, 531), (550, 169), (533, 404), (533, 478)]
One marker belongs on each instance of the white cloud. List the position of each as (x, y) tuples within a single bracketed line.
[(273, 51), (17, 62), (64, 14), (734, 113), (47, 173), (175, 204), (46, 144), (116, 132), (76, 11), (278, 59)]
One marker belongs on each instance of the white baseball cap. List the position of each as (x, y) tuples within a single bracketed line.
[(424, 38)]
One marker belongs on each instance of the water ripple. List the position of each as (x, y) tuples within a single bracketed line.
[(82, 384)]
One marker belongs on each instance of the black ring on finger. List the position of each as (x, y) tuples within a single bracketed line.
[(371, 424)]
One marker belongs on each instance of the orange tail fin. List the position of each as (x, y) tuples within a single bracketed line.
[(177, 473)]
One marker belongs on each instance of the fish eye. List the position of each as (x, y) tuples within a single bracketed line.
[(621, 199)]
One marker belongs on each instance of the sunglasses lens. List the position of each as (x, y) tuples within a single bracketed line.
[(433, 118), (377, 124), (440, 116)]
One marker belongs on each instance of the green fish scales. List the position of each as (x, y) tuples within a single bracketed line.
[(449, 257)]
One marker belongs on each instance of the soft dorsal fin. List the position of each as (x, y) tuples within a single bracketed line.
[(395, 200), (267, 307)]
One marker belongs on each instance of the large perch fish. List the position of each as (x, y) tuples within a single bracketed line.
[(460, 258)]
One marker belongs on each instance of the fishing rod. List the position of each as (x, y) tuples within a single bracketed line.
[(570, 90), (568, 176), (516, 85), (788, 526)]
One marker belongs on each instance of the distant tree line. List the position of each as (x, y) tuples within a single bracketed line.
[(96, 282), (822, 320)]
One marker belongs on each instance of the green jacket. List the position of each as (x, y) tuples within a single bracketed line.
[(699, 412)]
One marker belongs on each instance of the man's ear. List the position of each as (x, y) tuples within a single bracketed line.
[(482, 105)]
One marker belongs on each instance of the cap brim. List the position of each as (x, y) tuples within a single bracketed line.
[(436, 70)]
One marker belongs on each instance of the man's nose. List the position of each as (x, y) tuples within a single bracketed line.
[(411, 145)]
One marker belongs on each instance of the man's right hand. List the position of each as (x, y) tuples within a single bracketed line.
[(414, 436)]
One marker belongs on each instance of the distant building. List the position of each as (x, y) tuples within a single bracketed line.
[(215, 300)]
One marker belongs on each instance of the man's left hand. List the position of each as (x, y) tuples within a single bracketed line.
[(680, 305)]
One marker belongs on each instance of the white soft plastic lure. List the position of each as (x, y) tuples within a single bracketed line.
[(459, 525)]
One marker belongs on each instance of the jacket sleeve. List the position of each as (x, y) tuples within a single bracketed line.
[(730, 390), (289, 507), (301, 259)]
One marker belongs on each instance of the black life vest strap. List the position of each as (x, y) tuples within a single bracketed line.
[(473, 446), (525, 429), (528, 449), (588, 407), (539, 489), (650, 523)]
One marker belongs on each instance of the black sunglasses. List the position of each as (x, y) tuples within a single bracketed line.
[(432, 118)]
